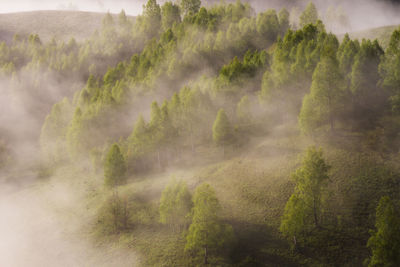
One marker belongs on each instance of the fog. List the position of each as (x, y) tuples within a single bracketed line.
[(361, 14), (43, 223)]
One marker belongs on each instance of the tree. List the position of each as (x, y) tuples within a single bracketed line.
[(303, 209), (175, 205), (389, 70), (207, 231), (385, 241), (190, 6), (268, 25), (222, 130), (170, 14), (326, 95), (114, 167), (283, 16), (243, 110), (368, 99), (152, 18), (309, 15)]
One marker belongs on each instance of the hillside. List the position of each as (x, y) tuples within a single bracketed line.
[(198, 136), (60, 24), (381, 33)]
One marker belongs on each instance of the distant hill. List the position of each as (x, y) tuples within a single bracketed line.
[(383, 34), (61, 24)]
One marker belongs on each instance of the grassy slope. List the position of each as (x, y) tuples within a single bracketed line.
[(61, 24), (382, 33)]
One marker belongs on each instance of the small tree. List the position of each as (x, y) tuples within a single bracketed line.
[(175, 205), (207, 231), (303, 210), (385, 241), (222, 130), (114, 167)]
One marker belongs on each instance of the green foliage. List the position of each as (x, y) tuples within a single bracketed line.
[(170, 15), (303, 210), (309, 15), (207, 233), (190, 7), (175, 205), (268, 25), (369, 100), (325, 100), (114, 167), (115, 215), (388, 69), (284, 23), (385, 241), (222, 129)]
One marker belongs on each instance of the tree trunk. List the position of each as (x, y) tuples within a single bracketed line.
[(205, 255), (191, 138), (315, 215), (159, 158)]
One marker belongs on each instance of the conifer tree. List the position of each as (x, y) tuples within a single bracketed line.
[(389, 70), (190, 6), (170, 14), (114, 167), (385, 241), (309, 15), (222, 130), (283, 16), (207, 233), (325, 100)]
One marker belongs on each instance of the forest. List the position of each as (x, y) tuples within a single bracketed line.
[(202, 134)]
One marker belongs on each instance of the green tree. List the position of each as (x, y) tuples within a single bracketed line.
[(243, 110), (283, 16), (385, 241), (207, 233), (268, 25), (190, 6), (389, 70), (170, 15), (303, 210), (325, 100), (368, 99), (114, 167), (309, 15), (175, 205), (152, 18), (222, 130)]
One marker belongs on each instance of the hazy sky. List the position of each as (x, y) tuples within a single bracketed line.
[(132, 7)]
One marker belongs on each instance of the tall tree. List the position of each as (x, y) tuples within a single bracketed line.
[(283, 16), (114, 167), (222, 130), (368, 98), (389, 70), (190, 6), (175, 205), (385, 241), (170, 15), (207, 232), (325, 99), (309, 15), (303, 209), (151, 18)]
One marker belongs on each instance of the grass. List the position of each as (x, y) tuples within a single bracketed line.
[(383, 34)]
